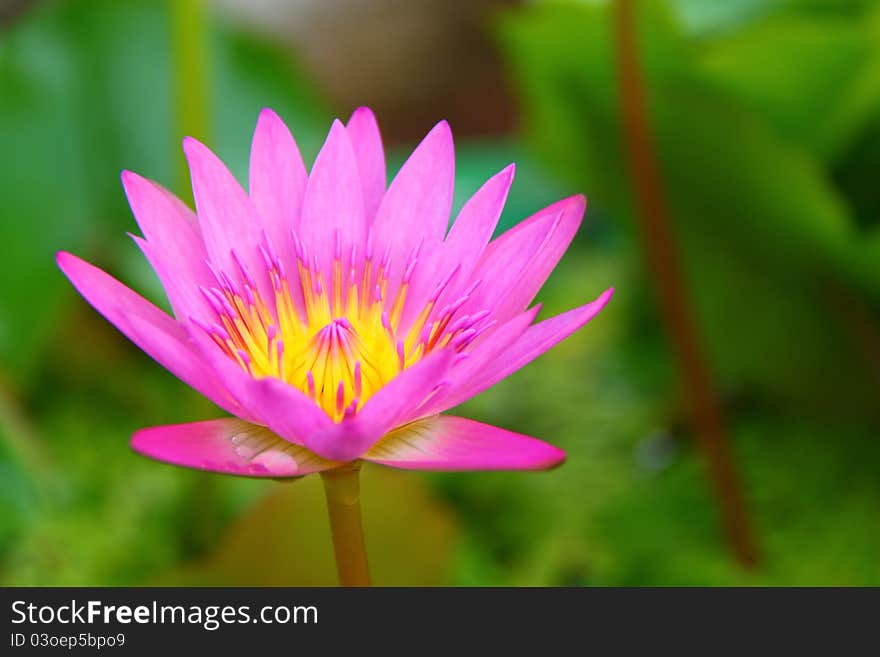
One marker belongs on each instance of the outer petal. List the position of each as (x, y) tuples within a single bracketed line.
[(333, 209), (515, 266), (182, 292), (281, 407), (229, 446), (449, 443), (363, 130), (481, 357), (277, 182), (289, 412), (173, 243), (400, 401), (485, 372), (144, 324)]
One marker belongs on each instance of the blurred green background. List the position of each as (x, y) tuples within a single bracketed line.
[(766, 121)]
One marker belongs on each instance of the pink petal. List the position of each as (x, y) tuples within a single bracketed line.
[(398, 402), (488, 369), (515, 265), (149, 328), (477, 220), (175, 249), (183, 294), (415, 210), (277, 182), (278, 405), (227, 217), (401, 399), (333, 209), (229, 446), (363, 130), (460, 252), (447, 443), (481, 356), (164, 219), (288, 412)]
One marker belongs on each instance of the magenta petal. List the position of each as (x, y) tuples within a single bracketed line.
[(149, 328), (175, 247), (418, 201), (277, 182), (477, 220), (333, 209), (400, 401), (515, 265), (447, 443), (229, 446), (166, 222), (281, 407), (483, 356), (460, 252), (288, 412), (414, 213), (226, 215), (485, 372), (184, 295), (363, 130)]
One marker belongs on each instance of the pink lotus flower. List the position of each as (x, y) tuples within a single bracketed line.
[(334, 318)]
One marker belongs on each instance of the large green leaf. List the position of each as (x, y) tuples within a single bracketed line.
[(815, 77), (765, 238)]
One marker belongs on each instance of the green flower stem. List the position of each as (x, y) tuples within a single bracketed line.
[(342, 488)]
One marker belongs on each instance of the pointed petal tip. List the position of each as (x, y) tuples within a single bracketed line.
[(192, 147), (605, 297), (336, 135), (441, 131), (268, 114), (363, 112), (132, 181), (269, 120), (575, 203), (228, 446), (447, 443), (555, 458), (63, 259)]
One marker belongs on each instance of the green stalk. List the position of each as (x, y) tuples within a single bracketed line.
[(342, 488)]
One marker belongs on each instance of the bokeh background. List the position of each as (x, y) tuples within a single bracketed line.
[(764, 117)]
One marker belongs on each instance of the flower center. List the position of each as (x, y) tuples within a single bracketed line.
[(338, 343)]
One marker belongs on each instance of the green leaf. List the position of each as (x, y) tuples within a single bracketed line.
[(815, 78), (765, 239)]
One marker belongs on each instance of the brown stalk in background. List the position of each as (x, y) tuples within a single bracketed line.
[(662, 259)]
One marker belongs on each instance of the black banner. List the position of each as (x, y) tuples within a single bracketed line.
[(114, 620)]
